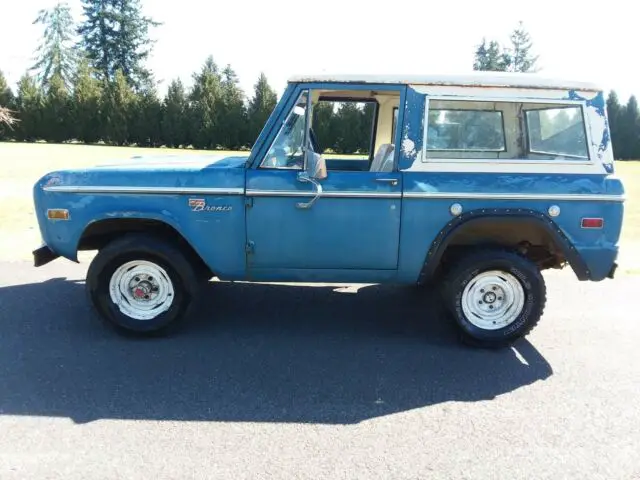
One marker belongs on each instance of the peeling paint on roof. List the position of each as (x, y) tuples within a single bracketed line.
[(474, 79)]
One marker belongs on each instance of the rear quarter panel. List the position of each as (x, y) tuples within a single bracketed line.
[(430, 189)]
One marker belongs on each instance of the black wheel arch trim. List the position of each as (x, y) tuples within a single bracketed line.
[(445, 236)]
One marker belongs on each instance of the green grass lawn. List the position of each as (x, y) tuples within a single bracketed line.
[(22, 164)]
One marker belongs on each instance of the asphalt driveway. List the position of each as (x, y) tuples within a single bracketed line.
[(326, 381)]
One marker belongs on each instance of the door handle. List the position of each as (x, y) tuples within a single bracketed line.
[(309, 204), (392, 181)]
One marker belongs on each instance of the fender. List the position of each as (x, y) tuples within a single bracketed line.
[(446, 235)]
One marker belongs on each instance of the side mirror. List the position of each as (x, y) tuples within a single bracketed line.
[(316, 166)]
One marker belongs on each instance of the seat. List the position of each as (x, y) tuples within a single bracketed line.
[(383, 159)]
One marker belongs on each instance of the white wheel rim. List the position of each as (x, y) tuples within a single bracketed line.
[(493, 300), (141, 289)]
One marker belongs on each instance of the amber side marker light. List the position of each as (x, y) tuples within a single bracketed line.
[(58, 214), (592, 222)]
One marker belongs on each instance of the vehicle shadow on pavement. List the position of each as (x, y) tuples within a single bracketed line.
[(252, 353)]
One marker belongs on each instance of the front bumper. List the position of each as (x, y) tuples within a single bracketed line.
[(43, 255)]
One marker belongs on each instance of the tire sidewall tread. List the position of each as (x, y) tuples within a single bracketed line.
[(472, 264), (142, 247)]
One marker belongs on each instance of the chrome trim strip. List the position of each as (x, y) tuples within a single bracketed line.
[(145, 190), (339, 194), (588, 197)]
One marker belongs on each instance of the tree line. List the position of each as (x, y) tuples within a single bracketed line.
[(89, 84)]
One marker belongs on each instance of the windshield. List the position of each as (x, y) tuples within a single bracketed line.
[(287, 149)]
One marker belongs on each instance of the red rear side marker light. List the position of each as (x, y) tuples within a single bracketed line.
[(592, 223)]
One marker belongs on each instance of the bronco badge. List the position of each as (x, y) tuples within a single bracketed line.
[(200, 205)]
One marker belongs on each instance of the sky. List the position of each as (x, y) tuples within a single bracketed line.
[(574, 39)]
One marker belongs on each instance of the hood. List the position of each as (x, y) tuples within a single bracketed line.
[(175, 162), (170, 171)]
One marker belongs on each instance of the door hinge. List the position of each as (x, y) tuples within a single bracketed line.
[(248, 202), (249, 247)]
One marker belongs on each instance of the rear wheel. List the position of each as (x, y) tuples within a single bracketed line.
[(495, 297), (142, 284)]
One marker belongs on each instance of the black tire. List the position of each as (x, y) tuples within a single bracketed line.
[(526, 273), (180, 272)]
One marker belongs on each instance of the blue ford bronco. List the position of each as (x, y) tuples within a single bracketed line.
[(473, 184)]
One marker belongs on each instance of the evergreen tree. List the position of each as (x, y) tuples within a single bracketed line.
[(325, 126), (118, 110), (630, 130), (350, 119), (491, 57), (231, 112), (175, 116), (55, 54), (517, 58), (7, 118), (520, 55), (55, 113), (146, 119), (205, 99), (260, 107), (115, 36), (86, 105), (614, 113), (29, 103)]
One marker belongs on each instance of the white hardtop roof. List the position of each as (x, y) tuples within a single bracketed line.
[(475, 79)]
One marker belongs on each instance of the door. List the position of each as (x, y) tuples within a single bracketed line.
[(349, 220), (353, 224)]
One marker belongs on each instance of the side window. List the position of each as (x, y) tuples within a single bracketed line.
[(287, 150), (461, 129), (343, 131), (466, 131), (556, 131)]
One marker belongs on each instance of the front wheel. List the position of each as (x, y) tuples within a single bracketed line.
[(495, 297), (141, 284)]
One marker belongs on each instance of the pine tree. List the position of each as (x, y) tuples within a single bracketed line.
[(630, 130), (517, 58), (205, 97), (7, 118), (521, 58), (115, 36), (491, 57), (325, 126), (55, 54), (29, 105), (55, 112), (260, 107), (349, 118), (614, 112), (146, 119), (87, 105), (231, 112), (175, 118), (118, 110)]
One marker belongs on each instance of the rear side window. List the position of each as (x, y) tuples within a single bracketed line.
[(557, 131), (485, 130), (466, 131)]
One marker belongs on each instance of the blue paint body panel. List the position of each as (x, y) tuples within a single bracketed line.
[(364, 227), (336, 233), (219, 237)]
